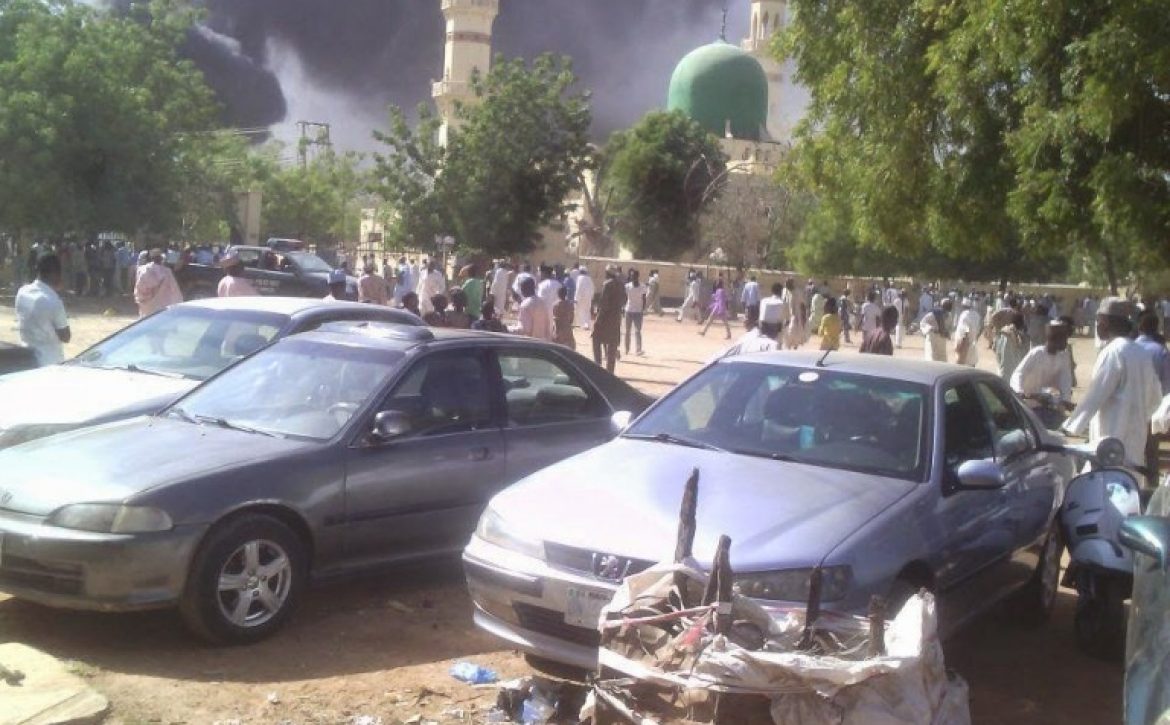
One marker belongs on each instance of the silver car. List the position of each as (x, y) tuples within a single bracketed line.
[(888, 474), (144, 367), (323, 453)]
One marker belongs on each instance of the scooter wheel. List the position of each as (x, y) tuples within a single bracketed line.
[(1100, 622)]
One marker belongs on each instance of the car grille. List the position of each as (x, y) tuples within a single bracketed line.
[(53, 578), (583, 561), (552, 623)]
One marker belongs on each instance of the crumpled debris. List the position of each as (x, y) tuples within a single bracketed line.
[(473, 674)]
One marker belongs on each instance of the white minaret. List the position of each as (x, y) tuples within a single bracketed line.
[(468, 47), (768, 18)]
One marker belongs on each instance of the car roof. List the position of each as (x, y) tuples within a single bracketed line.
[(264, 303), (390, 335), (882, 366)]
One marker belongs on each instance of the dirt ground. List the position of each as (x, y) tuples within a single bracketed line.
[(381, 645)]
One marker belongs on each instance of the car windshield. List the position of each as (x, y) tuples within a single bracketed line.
[(819, 417), (297, 388), (308, 262), (188, 342)]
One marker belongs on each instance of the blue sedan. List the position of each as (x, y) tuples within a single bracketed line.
[(887, 474)]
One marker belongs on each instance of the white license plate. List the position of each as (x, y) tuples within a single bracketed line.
[(583, 606)]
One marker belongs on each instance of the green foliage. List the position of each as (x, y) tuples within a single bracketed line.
[(102, 124), (508, 166), (1000, 136), (318, 201), (661, 174)]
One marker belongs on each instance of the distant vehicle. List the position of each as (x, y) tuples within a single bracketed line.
[(14, 358), (285, 274), (142, 368), (278, 244), (886, 474), (325, 452)]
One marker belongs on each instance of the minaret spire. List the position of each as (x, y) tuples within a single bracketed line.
[(468, 49)]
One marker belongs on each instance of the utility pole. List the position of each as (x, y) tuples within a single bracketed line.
[(320, 138)]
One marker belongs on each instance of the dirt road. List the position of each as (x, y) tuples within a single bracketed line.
[(381, 645)]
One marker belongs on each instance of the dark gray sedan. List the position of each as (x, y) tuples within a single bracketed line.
[(325, 452)]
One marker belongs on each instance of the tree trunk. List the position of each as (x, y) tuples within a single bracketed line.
[(1110, 270)]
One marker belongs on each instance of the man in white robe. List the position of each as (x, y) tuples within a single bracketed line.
[(1124, 392), (584, 300), (967, 334)]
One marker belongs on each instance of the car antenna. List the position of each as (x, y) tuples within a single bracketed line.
[(821, 362)]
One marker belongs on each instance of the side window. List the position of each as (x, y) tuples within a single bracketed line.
[(444, 393), (1011, 432), (966, 435), (541, 390)]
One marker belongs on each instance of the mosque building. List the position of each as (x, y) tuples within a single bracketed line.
[(734, 91)]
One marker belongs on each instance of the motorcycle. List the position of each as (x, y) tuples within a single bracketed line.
[(1100, 569)]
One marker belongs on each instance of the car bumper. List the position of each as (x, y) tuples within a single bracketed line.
[(101, 572)]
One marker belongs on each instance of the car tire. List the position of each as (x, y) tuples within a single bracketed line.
[(1099, 621), (245, 580), (1034, 603)]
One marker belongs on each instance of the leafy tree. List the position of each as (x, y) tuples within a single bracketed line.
[(508, 167), (318, 201), (100, 120), (663, 172), (931, 137)]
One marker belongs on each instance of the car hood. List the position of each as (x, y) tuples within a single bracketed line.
[(624, 498), (113, 462), (73, 395)]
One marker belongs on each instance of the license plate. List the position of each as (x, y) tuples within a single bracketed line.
[(583, 606)]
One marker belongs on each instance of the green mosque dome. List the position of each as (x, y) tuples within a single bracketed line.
[(718, 83)]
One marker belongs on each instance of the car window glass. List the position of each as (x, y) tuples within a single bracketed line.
[(817, 417), (540, 390), (966, 435), (1011, 433), (444, 393), (188, 343)]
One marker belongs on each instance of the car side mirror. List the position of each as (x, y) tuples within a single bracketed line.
[(1149, 535), (980, 475), (621, 420), (388, 425)]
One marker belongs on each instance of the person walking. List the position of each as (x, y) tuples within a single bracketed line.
[(155, 287), (583, 298), (829, 328), (654, 293), (718, 308), (607, 324), (562, 317), (901, 304), (535, 315), (845, 310), (750, 296), (691, 300), (473, 287), (40, 313), (967, 334), (1011, 346), (879, 341), (547, 289), (935, 327), (635, 309), (430, 285), (1124, 392)]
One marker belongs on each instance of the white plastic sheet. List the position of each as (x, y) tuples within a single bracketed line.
[(909, 684)]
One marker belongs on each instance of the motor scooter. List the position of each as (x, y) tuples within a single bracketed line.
[(1100, 569)]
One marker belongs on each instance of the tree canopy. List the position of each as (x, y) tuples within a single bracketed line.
[(102, 124), (983, 132), (662, 173), (507, 169)]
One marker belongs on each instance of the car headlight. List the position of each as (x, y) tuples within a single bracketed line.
[(24, 433), (494, 529), (111, 518), (792, 585)]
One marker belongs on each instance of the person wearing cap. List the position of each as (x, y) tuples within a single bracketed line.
[(935, 329), (372, 287), (1046, 367), (233, 283), (155, 287), (338, 283), (967, 334), (775, 312), (1124, 390)]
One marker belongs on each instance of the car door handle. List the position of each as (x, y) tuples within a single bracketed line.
[(482, 453)]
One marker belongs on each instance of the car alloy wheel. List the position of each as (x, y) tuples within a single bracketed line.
[(254, 583)]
